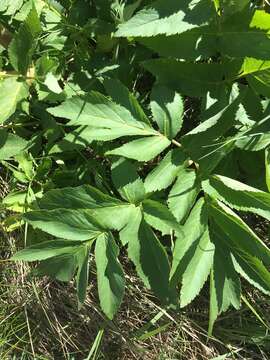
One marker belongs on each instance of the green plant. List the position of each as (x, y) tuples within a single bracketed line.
[(98, 167)]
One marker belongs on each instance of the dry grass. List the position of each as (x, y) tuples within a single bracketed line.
[(41, 321)]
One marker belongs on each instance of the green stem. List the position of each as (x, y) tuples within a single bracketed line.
[(176, 143)]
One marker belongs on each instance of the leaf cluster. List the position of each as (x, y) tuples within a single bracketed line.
[(141, 127)]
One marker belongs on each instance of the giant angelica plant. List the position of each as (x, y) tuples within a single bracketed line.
[(97, 168)]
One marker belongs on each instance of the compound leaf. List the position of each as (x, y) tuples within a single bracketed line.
[(144, 245), (110, 275), (107, 119), (197, 270), (225, 287), (80, 197), (89, 203), (143, 149), (82, 273), (253, 270), (127, 181), (121, 95), (240, 237), (65, 223), (238, 195), (187, 240), (166, 171), (159, 217), (61, 267), (46, 250), (183, 194), (167, 110)]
